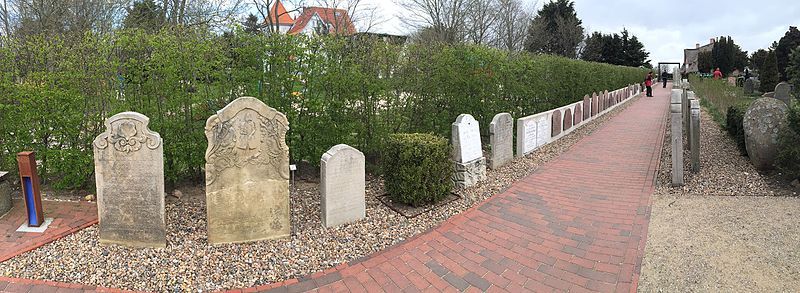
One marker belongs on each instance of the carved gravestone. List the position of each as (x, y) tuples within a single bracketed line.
[(129, 171), (762, 124), (782, 92), (501, 137), (470, 164), (578, 116), (749, 87), (342, 186), (567, 119), (247, 173), (555, 121), (587, 107)]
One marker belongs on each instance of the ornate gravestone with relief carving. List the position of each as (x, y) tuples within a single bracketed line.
[(247, 173)]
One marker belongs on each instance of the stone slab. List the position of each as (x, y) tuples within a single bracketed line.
[(532, 132), (466, 139), (247, 173), (579, 114), (342, 186), (783, 92), (555, 123), (501, 137), (469, 173), (129, 172), (567, 119), (28, 229)]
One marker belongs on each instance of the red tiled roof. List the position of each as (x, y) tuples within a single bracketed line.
[(283, 16), (337, 19)]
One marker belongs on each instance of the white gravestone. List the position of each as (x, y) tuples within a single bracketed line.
[(342, 186), (129, 172), (533, 132), (470, 165)]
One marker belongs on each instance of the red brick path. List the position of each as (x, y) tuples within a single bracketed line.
[(577, 224), (68, 217)]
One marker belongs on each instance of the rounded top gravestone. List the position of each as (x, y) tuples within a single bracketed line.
[(762, 123), (466, 139), (782, 92)]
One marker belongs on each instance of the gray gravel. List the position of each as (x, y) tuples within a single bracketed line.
[(720, 233), (189, 263)]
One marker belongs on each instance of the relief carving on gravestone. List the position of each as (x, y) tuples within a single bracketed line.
[(129, 172), (247, 173)]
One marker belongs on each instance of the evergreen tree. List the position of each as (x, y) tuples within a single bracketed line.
[(251, 24), (769, 75), (704, 62), (784, 48), (793, 71), (758, 58), (616, 49), (727, 55), (146, 15), (555, 29)]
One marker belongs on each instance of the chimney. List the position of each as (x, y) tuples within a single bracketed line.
[(697, 45), (711, 41)]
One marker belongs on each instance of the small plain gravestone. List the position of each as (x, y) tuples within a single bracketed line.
[(749, 87), (342, 186), (762, 124), (782, 92), (129, 171), (501, 137), (470, 164), (247, 173)]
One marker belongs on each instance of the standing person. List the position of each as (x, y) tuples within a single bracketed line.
[(648, 83), (717, 73), (664, 78)]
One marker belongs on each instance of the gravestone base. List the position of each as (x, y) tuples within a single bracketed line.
[(469, 173), (5, 193)]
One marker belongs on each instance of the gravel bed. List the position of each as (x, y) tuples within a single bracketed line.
[(189, 263), (726, 230)]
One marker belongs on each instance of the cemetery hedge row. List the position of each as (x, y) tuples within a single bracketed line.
[(56, 92)]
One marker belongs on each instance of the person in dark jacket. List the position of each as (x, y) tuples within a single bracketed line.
[(664, 78)]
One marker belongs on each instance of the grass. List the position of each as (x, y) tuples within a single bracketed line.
[(716, 96)]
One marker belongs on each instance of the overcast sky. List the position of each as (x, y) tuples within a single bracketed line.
[(666, 27)]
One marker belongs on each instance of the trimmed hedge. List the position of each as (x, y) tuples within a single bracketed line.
[(734, 124), (788, 160), (56, 92), (417, 169)]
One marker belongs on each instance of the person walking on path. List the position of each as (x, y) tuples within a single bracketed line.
[(717, 73), (664, 78), (648, 83)]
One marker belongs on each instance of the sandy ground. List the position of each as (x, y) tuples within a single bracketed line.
[(699, 242)]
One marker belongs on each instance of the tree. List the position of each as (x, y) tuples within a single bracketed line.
[(727, 55), (758, 58), (784, 48), (793, 71), (251, 24), (481, 17), (555, 29), (769, 76), (145, 15), (619, 49), (511, 26), (704, 62), (442, 20)]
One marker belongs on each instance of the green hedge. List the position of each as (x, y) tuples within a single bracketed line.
[(56, 92), (417, 168), (734, 124), (788, 160)]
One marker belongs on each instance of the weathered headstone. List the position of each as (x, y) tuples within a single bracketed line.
[(676, 140), (782, 92), (567, 119), (470, 165), (587, 107), (501, 137), (129, 171), (694, 137), (247, 173), (5, 193), (595, 104), (578, 114), (748, 87), (342, 186), (532, 132), (762, 123), (555, 128)]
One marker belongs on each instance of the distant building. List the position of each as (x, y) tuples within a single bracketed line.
[(311, 21), (690, 56)]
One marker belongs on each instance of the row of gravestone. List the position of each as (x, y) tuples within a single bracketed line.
[(247, 178), (532, 132)]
